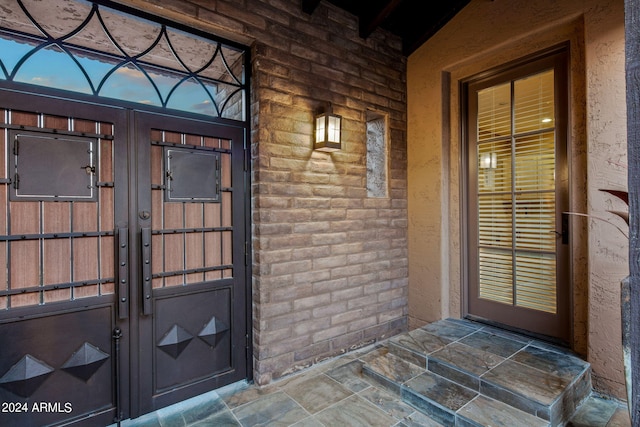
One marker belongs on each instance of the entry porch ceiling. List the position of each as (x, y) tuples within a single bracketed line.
[(414, 21)]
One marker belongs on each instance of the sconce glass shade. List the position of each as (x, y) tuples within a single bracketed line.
[(488, 161), (328, 132)]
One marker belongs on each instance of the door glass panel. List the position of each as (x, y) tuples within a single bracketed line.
[(495, 218), (496, 275), (516, 193), (536, 281), (494, 112), (535, 222), (534, 102), (494, 166), (535, 162)]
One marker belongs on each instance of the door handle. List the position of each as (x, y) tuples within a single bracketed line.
[(564, 231), (147, 306), (123, 273)]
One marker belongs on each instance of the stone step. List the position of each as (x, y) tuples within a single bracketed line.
[(442, 400), (452, 369)]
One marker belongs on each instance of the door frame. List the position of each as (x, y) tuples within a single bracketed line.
[(561, 54), (140, 200), (25, 97), (29, 101)]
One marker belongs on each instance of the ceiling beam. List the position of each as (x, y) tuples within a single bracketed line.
[(308, 6), (375, 18)]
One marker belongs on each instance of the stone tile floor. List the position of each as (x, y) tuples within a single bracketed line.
[(467, 374), (333, 393)]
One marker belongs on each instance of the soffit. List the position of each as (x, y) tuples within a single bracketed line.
[(414, 21)]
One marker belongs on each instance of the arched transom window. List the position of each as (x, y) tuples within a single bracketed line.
[(89, 48)]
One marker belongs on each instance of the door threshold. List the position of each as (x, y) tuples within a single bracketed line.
[(197, 407), (545, 338)]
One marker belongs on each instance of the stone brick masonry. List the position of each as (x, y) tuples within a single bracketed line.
[(330, 270)]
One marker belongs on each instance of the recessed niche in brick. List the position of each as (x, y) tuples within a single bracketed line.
[(377, 156)]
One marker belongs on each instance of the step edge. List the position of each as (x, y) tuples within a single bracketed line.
[(535, 408), (407, 392)]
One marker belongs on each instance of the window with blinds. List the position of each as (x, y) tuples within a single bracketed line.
[(516, 193)]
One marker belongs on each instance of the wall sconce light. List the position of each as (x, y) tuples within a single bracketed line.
[(328, 132), (488, 161)]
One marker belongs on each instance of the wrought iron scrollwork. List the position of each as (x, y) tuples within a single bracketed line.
[(175, 70)]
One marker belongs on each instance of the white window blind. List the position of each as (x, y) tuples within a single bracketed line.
[(516, 192)]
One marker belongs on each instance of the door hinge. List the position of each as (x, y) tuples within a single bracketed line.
[(16, 181)]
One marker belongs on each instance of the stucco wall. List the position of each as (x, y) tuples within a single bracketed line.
[(484, 35)]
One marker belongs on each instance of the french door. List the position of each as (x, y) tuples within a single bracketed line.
[(123, 235), (191, 200), (517, 193)]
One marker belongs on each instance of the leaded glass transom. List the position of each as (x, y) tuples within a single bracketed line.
[(89, 48)]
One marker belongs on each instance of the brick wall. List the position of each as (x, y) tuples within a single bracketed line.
[(330, 264)]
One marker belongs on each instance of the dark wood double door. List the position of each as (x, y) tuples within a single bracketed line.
[(124, 236)]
